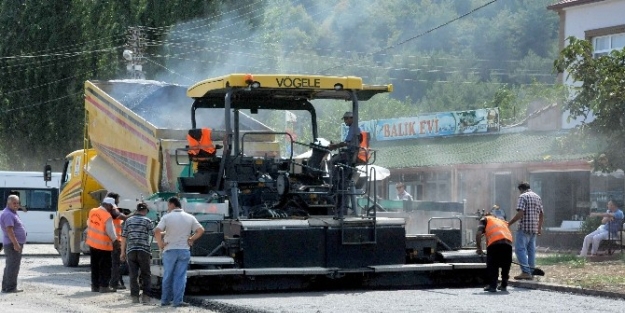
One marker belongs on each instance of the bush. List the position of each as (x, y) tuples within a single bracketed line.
[(591, 224)]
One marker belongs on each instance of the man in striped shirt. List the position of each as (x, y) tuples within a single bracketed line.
[(135, 247), (530, 217)]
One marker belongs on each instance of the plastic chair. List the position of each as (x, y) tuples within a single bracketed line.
[(616, 242)]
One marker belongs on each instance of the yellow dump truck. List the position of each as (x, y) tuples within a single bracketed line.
[(272, 220), (132, 132)]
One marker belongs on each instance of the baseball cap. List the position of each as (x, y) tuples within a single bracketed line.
[(142, 206), (348, 114), (110, 201)]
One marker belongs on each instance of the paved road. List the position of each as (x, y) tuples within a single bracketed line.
[(51, 287), (434, 300)]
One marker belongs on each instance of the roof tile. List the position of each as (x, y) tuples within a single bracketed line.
[(477, 149)]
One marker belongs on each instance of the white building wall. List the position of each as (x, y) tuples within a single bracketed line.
[(593, 16), (581, 18)]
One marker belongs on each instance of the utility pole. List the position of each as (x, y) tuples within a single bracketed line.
[(133, 53)]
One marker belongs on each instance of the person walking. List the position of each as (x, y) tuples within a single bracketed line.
[(530, 217), (135, 249), (118, 219), (178, 227), (611, 223), (101, 239), (13, 242), (498, 250)]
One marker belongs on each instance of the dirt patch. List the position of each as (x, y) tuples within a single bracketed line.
[(604, 273)]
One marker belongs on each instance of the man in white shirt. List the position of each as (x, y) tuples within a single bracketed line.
[(402, 194), (181, 230)]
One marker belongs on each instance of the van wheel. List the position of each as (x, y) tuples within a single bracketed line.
[(69, 259)]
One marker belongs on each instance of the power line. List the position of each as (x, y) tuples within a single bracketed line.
[(42, 103), (52, 82), (167, 29), (169, 70), (37, 54), (429, 69), (231, 42), (59, 49), (69, 54), (422, 34)]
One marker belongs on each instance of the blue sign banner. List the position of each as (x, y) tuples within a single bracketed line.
[(432, 125)]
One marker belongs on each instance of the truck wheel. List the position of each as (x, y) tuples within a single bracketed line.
[(69, 259)]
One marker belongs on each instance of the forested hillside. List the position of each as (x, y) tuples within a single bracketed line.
[(499, 55)]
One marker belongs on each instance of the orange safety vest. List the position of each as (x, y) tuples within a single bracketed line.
[(118, 226), (496, 229), (97, 237), (203, 143), (363, 151)]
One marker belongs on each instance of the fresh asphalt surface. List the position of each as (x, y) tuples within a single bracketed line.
[(431, 300), (358, 301)]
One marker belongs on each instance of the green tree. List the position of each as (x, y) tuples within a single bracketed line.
[(599, 90)]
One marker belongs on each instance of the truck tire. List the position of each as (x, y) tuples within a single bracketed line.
[(69, 259)]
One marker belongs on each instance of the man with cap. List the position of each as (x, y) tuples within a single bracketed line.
[(135, 249), (352, 134), (351, 141), (101, 239)]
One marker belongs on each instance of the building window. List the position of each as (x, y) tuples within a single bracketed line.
[(429, 186), (437, 186), (602, 45)]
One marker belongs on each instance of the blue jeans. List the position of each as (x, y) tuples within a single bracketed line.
[(175, 263), (525, 249)]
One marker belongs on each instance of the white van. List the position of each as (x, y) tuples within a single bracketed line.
[(38, 201)]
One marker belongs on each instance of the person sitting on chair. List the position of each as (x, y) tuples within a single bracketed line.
[(611, 223)]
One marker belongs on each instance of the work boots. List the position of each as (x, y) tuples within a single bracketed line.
[(490, 289), (107, 289), (145, 299), (524, 276), (135, 299)]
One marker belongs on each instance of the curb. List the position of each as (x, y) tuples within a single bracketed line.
[(567, 289), (42, 255)]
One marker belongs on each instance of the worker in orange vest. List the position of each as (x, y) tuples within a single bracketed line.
[(118, 218), (101, 239), (498, 248), (200, 142)]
